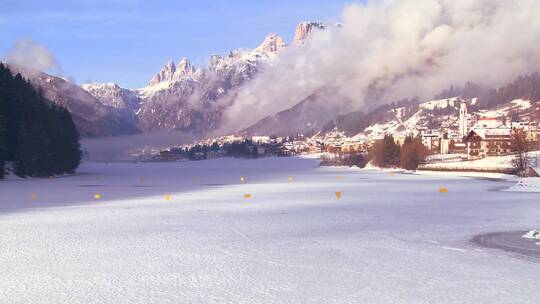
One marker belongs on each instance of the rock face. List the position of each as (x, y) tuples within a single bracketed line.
[(110, 94), (273, 43), (165, 74), (184, 69), (181, 97), (303, 31)]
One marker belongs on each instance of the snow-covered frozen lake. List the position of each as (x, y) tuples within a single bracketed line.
[(185, 233)]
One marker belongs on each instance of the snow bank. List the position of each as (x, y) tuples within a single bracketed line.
[(490, 175), (532, 234), (501, 164), (529, 184)]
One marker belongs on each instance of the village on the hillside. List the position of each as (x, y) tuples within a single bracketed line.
[(467, 137)]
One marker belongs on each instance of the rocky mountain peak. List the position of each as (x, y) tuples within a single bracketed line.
[(214, 62), (184, 68), (165, 74), (112, 95), (273, 43), (304, 29)]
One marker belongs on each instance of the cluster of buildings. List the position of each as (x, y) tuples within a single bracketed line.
[(485, 135), (468, 137)]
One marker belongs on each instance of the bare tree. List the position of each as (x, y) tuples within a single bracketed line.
[(520, 146), (412, 154), (385, 153)]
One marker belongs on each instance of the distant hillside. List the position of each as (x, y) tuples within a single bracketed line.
[(308, 117), (37, 136)]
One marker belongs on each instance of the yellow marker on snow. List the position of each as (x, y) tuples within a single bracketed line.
[(338, 194), (392, 174), (97, 196), (247, 195), (168, 197), (291, 178), (339, 177), (33, 196), (242, 179), (443, 190)]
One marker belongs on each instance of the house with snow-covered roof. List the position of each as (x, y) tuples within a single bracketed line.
[(354, 144), (488, 142)]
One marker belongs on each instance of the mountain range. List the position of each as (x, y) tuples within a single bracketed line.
[(186, 98)]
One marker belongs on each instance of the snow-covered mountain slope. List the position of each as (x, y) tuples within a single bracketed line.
[(178, 97), (91, 116), (306, 117), (110, 94), (411, 117), (405, 118), (517, 110), (181, 97)]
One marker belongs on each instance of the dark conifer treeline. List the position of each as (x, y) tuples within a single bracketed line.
[(39, 137), (245, 148)]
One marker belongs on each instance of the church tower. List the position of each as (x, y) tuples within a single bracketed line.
[(463, 127)]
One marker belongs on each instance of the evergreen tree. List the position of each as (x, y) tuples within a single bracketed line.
[(3, 146), (39, 137), (3, 129), (71, 139)]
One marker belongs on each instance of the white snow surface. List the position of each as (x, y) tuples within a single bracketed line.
[(487, 163), (523, 104), (440, 104), (529, 184), (390, 238)]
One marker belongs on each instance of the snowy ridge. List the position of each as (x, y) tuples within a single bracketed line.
[(92, 116), (111, 94), (408, 120), (182, 97), (440, 104)]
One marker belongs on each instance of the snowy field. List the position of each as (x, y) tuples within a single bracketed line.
[(186, 233), (490, 163)]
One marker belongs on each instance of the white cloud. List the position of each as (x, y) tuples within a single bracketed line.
[(388, 50), (31, 54)]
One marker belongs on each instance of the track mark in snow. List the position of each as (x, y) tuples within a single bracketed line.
[(243, 235), (454, 249), (240, 256)]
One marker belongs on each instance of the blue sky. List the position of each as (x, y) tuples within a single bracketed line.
[(128, 41)]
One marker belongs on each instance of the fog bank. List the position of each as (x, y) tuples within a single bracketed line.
[(388, 50)]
